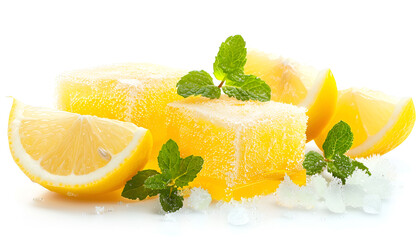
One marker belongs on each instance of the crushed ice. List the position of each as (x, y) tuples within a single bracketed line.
[(239, 213), (322, 191), (238, 216), (361, 191), (100, 210), (199, 199)]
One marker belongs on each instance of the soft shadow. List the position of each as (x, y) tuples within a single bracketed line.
[(82, 204), (111, 197)]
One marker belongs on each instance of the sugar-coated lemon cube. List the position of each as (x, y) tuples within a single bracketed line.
[(247, 147), (134, 92)]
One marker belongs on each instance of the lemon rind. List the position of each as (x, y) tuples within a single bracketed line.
[(371, 141), (33, 167), (310, 98)]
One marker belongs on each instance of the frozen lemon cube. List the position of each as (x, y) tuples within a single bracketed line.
[(136, 93), (247, 147)]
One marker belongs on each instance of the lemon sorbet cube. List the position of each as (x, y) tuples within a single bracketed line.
[(247, 147), (134, 92)]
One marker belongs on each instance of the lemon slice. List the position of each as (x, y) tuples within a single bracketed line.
[(379, 122), (299, 85), (76, 154)]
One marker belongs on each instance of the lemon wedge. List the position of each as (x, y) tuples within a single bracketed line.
[(379, 122), (76, 154), (297, 84)]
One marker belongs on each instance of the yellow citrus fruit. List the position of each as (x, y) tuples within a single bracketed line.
[(132, 92), (299, 85), (76, 154), (247, 147), (379, 122)]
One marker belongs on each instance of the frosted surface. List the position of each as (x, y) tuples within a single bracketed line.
[(133, 92), (229, 111), (242, 143)]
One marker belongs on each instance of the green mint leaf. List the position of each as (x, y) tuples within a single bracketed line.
[(188, 170), (198, 83), (313, 163), (236, 77), (355, 164), (169, 159), (338, 141), (341, 167), (157, 182), (229, 68), (170, 200), (135, 189), (176, 173), (246, 87), (230, 58)]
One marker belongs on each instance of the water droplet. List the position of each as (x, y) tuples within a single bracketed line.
[(104, 153)]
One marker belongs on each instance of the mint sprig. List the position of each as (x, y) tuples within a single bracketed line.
[(135, 189), (228, 67), (231, 57), (339, 140), (247, 87), (341, 167), (176, 173), (198, 83), (314, 163)]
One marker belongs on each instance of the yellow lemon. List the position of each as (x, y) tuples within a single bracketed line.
[(132, 92), (379, 122), (247, 147), (76, 154), (299, 85)]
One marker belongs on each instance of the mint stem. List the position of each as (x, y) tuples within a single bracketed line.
[(221, 84)]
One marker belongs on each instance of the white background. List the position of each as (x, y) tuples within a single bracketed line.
[(373, 44)]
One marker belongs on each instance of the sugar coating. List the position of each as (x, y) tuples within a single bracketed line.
[(241, 142), (133, 92)]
